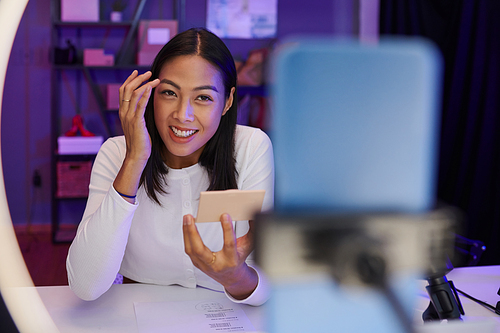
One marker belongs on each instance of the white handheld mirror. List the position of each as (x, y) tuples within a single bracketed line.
[(240, 205)]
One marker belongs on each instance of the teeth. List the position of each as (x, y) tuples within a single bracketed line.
[(183, 134)]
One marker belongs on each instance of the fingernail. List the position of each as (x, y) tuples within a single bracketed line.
[(185, 220)]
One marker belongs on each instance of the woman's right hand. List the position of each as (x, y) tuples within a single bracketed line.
[(134, 96)]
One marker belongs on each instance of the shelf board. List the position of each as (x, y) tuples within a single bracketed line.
[(74, 157), (117, 66), (99, 24)]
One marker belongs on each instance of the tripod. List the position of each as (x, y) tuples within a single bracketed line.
[(445, 303)]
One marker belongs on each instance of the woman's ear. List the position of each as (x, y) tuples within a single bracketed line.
[(229, 101)]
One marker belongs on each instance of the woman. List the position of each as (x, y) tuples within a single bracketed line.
[(180, 138)]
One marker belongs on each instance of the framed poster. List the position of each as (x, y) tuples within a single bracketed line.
[(242, 18)]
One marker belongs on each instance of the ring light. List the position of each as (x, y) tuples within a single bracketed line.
[(20, 296)]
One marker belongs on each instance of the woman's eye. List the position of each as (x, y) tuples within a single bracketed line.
[(168, 93), (204, 98)]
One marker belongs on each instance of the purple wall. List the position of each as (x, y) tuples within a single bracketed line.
[(26, 128), (26, 117)]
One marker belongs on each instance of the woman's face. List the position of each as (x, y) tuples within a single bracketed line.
[(188, 105)]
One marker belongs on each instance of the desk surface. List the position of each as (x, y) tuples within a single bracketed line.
[(481, 282), (114, 311)]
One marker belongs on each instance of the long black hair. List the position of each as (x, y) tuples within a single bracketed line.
[(218, 155)]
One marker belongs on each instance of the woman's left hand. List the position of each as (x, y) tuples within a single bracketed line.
[(227, 266)]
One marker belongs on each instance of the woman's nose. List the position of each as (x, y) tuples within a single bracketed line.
[(185, 112)]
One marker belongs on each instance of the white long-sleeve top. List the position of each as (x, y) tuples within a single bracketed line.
[(144, 241)]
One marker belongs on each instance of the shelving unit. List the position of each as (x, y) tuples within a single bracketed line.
[(122, 36), (91, 75)]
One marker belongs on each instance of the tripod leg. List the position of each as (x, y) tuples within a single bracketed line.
[(430, 314)]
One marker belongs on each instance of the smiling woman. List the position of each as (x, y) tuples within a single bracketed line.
[(24, 304), (180, 139)]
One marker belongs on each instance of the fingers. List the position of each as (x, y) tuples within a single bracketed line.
[(143, 101), (132, 90), (132, 83), (228, 234), (193, 244), (245, 243), (234, 250)]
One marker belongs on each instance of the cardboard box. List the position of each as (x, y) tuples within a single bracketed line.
[(80, 11), (73, 179), (153, 35), (97, 57), (113, 96), (79, 145)]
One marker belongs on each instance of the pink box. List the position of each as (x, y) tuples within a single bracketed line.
[(80, 11), (96, 57), (113, 96), (152, 36)]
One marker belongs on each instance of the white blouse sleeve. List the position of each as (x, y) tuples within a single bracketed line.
[(95, 256)]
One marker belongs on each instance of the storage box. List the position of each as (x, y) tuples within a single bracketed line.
[(79, 145), (80, 11), (73, 179), (113, 96), (153, 35), (97, 57)]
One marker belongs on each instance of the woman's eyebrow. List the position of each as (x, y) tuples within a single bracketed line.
[(207, 87), (171, 83)]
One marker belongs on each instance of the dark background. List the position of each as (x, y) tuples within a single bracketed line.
[(467, 32)]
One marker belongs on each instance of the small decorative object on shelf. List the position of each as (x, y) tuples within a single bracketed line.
[(65, 56), (71, 144), (79, 11), (77, 126), (118, 6)]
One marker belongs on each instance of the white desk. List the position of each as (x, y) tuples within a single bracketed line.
[(114, 311)]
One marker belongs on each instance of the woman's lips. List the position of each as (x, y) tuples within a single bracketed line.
[(182, 133)]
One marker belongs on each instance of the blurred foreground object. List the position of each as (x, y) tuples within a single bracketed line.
[(355, 134), (350, 273), (355, 127)]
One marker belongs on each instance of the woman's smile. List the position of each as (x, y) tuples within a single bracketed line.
[(182, 133)]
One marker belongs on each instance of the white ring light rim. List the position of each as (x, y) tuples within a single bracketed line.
[(25, 305)]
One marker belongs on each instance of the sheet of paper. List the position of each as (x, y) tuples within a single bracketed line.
[(207, 316)]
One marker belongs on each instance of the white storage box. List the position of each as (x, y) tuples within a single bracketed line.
[(79, 11), (79, 145)]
